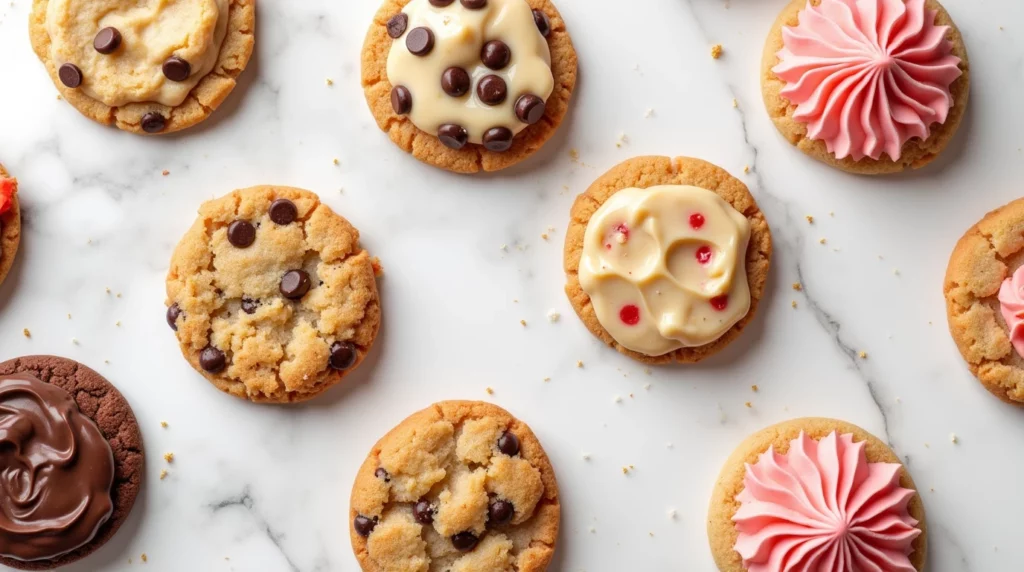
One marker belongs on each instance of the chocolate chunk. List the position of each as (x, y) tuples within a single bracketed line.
[(172, 316), (441, 3), (107, 41), (382, 474), (241, 233), (530, 108), (249, 305), (212, 359), (508, 444), (420, 41), (455, 81), (343, 355), (498, 139), (500, 512), (397, 25), (295, 284), (492, 90), (423, 513), (364, 526), (401, 100), (474, 4), (177, 69), (495, 54), (464, 541), (70, 75), (283, 211), (543, 23), (153, 122), (453, 136)]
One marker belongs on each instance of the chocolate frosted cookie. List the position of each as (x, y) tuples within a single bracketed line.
[(271, 296), (461, 486), (72, 459), (149, 67), (469, 85), (10, 222)]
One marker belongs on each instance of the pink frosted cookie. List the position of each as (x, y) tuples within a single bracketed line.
[(867, 86), (10, 222)]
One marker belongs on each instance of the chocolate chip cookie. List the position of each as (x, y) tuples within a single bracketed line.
[(10, 222), (271, 296), (58, 509), (149, 67), (460, 486)]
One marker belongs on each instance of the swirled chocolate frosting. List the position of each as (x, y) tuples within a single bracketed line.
[(56, 471)]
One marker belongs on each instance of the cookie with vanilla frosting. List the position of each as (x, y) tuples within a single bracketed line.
[(870, 87), (10, 222), (816, 494)]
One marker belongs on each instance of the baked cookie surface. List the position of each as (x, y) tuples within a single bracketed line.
[(113, 488), (921, 66), (10, 222), (271, 296), (859, 478), (692, 235), (146, 67), (473, 114), (460, 486)]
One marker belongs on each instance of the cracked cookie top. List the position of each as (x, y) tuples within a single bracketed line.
[(460, 486), (271, 296)]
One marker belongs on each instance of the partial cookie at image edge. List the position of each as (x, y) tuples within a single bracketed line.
[(10, 231)]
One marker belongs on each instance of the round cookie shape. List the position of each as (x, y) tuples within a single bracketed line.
[(100, 408), (418, 54), (982, 291), (10, 222), (459, 486), (706, 224), (903, 76), (280, 314), (865, 466), (156, 68)]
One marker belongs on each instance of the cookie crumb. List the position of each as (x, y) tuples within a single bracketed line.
[(163, 424), (754, 388), (544, 235), (822, 241), (490, 391), (108, 290), (793, 304), (165, 172), (954, 439), (163, 474), (586, 456), (749, 405), (863, 355), (118, 323), (553, 316), (735, 103), (546, 379), (169, 457), (69, 316), (672, 513), (579, 363), (26, 333), (896, 271), (329, 82), (144, 557), (622, 140), (649, 113), (522, 323), (336, 161), (746, 169), (832, 214), (618, 399), (647, 370), (647, 387), (74, 341), (716, 51), (574, 154), (651, 534), (810, 219), (798, 286)]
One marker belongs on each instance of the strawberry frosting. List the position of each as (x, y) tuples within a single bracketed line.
[(867, 76), (7, 187), (822, 507), (1011, 303)]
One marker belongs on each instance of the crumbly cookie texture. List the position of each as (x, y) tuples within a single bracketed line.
[(722, 532), (427, 147), (10, 229), (984, 257), (458, 487), (235, 288), (645, 172), (916, 153), (140, 116)]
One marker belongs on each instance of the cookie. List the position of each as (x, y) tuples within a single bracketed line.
[(153, 68), (911, 90), (983, 290), (271, 296), (468, 86), (10, 222), (461, 486), (65, 509), (666, 259), (816, 494)]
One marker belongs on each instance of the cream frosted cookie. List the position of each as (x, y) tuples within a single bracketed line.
[(666, 259), (461, 486), (146, 66), (817, 495), (866, 86), (10, 222), (271, 296), (468, 85)]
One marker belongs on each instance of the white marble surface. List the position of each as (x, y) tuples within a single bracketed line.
[(266, 488)]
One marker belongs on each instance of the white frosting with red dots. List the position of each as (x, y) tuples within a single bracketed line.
[(665, 267)]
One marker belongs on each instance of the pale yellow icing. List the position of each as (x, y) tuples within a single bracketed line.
[(641, 250), (459, 36), (152, 31)]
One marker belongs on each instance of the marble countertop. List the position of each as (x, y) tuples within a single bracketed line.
[(266, 488)]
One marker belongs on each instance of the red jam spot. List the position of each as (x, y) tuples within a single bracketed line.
[(630, 315), (696, 221), (704, 254), (720, 302), (623, 229), (6, 192), (608, 246)]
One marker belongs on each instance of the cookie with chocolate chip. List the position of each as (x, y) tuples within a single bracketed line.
[(463, 90), (57, 510), (459, 486), (271, 296), (10, 222), (154, 68)]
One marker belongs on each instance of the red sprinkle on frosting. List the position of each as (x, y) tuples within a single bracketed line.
[(696, 221), (720, 302), (704, 254), (630, 315)]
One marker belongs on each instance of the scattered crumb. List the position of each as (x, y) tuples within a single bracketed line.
[(106, 361), (165, 172), (651, 534), (647, 387), (579, 363), (754, 388), (749, 405), (144, 557), (118, 294), (669, 445), (822, 241), (953, 438), (810, 219), (522, 323), (649, 113), (746, 169), (625, 470), (169, 457), (672, 513), (544, 235), (118, 323), (618, 399), (74, 341), (69, 316), (163, 474), (927, 446), (592, 530), (647, 370), (574, 154), (586, 456), (735, 103), (896, 271), (163, 424), (547, 379), (26, 333), (336, 161), (793, 304), (330, 82), (863, 355), (490, 391), (832, 214), (622, 140), (716, 51), (553, 316), (108, 290), (798, 286)]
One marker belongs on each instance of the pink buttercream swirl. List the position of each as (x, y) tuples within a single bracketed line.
[(868, 75), (1011, 303), (822, 507)]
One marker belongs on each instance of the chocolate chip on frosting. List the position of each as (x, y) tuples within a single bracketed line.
[(343, 355), (397, 25), (364, 526), (495, 54), (241, 234), (423, 513), (295, 284), (474, 4), (70, 75), (177, 68), (107, 41), (153, 122), (420, 41), (401, 100), (530, 108), (172, 316), (453, 136), (543, 23), (498, 139), (283, 211), (508, 444), (212, 359), (492, 90), (465, 541), (455, 81)]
